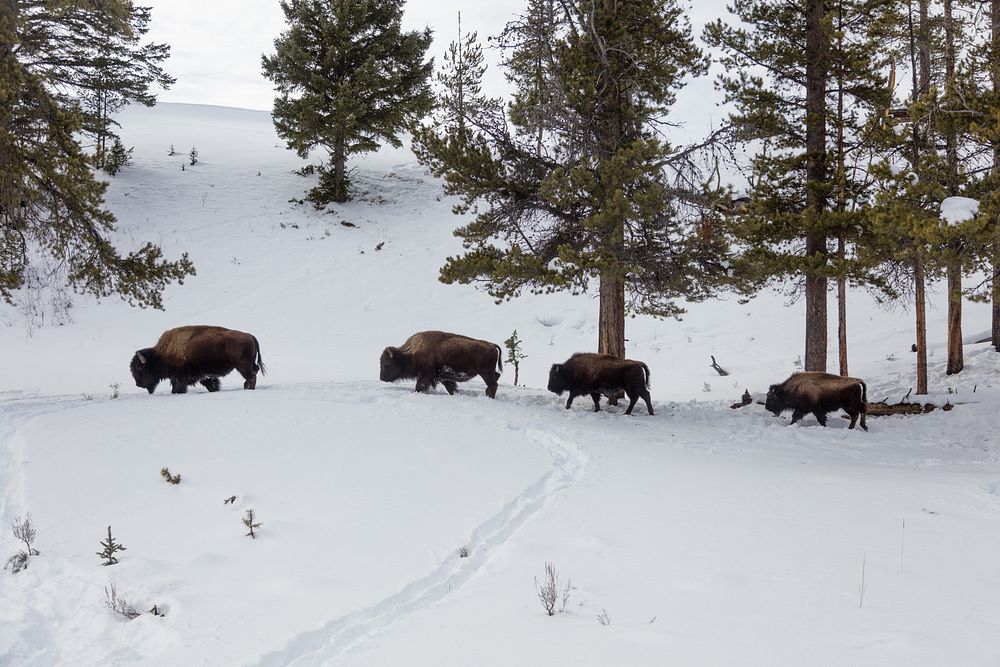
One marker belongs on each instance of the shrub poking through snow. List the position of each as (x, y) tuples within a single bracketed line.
[(249, 521), (24, 531), (549, 593), (110, 549), (115, 390), (172, 152), (463, 552), (229, 501), (118, 604), (603, 617), (193, 156), (514, 353), (170, 479)]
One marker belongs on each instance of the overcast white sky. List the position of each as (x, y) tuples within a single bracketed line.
[(216, 45)]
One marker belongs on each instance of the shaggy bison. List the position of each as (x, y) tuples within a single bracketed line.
[(819, 393), (597, 374), (436, 356), (187, 355)]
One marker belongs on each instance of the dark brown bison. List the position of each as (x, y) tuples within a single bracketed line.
[(187, 355), (597, 374), (436, 356), (819, 393)]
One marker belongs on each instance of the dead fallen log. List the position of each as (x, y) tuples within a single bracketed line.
[(747, 399), (883, 409)]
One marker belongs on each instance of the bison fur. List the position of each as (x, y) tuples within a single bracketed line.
[(819, 393), (193, 354), (601, 374), (437, 356)]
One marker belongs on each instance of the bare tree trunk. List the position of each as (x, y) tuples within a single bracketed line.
[(339, 172), (920, 305), (841, 200), (611, 324), (817, 61), (995, 76), (956, 362)]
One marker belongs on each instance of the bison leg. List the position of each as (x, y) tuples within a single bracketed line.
[(797, 415), (632, 398), (649, 401), (492, 379), (212, 384), (569, 401), (424, 382), (597, 401), (864, 411), (178, 387), (450, 386), (820, 417)]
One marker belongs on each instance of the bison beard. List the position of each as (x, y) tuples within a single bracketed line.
[(197, 354), (601, 374), (431, 357)]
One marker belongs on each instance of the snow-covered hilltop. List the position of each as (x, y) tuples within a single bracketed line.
[(401, 528)]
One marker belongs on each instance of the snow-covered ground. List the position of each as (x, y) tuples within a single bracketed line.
[(704, 535)]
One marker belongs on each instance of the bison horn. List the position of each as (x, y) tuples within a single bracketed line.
[(142, 359)]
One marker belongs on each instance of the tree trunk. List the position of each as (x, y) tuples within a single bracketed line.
[(842, 310), (339, 172), (920, 305), (841, 200), (817, 52), (611, 324), (956, 361), (995, 76)]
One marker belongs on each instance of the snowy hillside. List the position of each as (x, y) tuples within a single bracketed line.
[(701, 535)]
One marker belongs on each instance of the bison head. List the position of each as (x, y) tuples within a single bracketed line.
[(775, 401), (390, 367), (557, 384), (143, 372)]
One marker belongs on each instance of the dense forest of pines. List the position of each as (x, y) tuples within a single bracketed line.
[(856, 125)]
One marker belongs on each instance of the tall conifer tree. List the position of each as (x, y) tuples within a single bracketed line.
[(603, 198), (348, 79), (51, 206)]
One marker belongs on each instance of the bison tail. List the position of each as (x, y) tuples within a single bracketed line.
[(864, 392), (645, 369), (260, 361), (499, 358)]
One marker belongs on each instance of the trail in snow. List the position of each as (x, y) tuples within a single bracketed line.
[(323, 645)]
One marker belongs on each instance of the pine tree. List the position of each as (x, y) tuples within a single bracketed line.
[(805, 80), (348, 79), (460, 81), (119, 69), (50, 203), (110, 549), (605, 199)]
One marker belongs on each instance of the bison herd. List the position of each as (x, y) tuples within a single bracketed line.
[(202, 354)]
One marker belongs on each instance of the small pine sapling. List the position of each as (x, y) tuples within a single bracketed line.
[(514, 353), (110, 549), (24, 531), (115, 390), (118, 157), (172, 152), (170, 479), (229, 501), (193, 156), (249, 522)]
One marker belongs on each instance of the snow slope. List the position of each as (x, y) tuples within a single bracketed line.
[(707, 535)]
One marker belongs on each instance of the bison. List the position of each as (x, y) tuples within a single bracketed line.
[(819, 393), (188, 355), (437, 356), (597, 374)]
